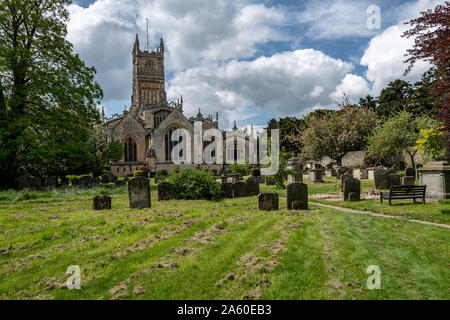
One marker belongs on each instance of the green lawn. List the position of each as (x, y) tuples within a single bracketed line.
[(209, 250)]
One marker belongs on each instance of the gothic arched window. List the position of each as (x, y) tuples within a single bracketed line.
[(130, 150), (169, 144)]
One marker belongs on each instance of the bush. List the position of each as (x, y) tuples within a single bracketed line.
[(140, 173), (195, 184), (162, 174), (241, 168)]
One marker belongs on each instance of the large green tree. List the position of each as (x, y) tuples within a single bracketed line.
[(48, 96), (337, 133), (287, 126), (397, 135)]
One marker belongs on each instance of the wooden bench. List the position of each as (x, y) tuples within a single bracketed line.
[(404, 192)]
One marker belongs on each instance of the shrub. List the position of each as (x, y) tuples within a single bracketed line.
[(195, 184), (241, 168), (140, 173), (162, 174)]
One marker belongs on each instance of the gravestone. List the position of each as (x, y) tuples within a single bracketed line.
[(252, 186), (352, 185), (410, 172), (345, 177), (270, 181), (165, 191), (371, 173), (227, 190), (268, 201), (361, 174), (436, 176), (139, 193), (330, 172), (381, 179), (394, 180), (299, 205), (106, 178), (354, 196), (95, 182), (239, 189), (315, 175), (297, 192), (75, 182), (391, 171), (101, 202), (408, 181)]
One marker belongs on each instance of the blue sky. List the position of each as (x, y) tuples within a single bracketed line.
[(248, 60)]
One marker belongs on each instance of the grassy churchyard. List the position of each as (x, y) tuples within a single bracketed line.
[(220, 250)]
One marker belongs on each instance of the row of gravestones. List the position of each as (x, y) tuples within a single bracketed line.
[(296, 198), (384, 179)]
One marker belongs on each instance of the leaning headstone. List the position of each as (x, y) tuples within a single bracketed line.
[(352, 185), (394, 180), (297, 192), (101, 202), (252, 186), (227, 190), (165, 191), (268, 201), (381, 179), (408, 181), (139, 193), (410, 172), (239, 189)]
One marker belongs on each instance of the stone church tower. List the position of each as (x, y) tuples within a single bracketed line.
[(145, 130)]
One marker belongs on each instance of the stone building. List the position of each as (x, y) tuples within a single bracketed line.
[(145, 130)]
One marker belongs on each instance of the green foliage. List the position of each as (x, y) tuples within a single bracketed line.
[(140, 173), (113, 153), (397, 134), (337, 133), (432, 142), (193, 184), (287, 126), (162, 173), (241, 168), (393, 99), (48, 96)]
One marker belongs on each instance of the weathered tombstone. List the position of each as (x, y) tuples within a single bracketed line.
[(101, 202), (315, 175), (106, 178), (227, 190), (391, 171), (354, 196), (408, 181), (344, 177), (410, 172), (436, 176), (165, 191), (270, 181), (352, 185), (297, 192), (361, 174), (268, 201), (371, 173), (139, 193), (95, 182), (239, 189), (299, 205), (252, 186), (394, 180), (22, 182), (381, 179)]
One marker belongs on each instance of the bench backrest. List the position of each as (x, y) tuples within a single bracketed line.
[(407, 190)]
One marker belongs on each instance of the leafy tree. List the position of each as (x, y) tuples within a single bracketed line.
[(396, 135), (287, 126), (431, 33), (431, 142), (113, 153), (393, 99), (48, 96), (338, 133), (368, 102), (422, 101)]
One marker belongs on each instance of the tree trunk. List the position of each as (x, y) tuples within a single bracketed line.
[(411, 156)]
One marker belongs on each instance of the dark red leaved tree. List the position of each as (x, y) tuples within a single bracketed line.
[(431, 33)]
